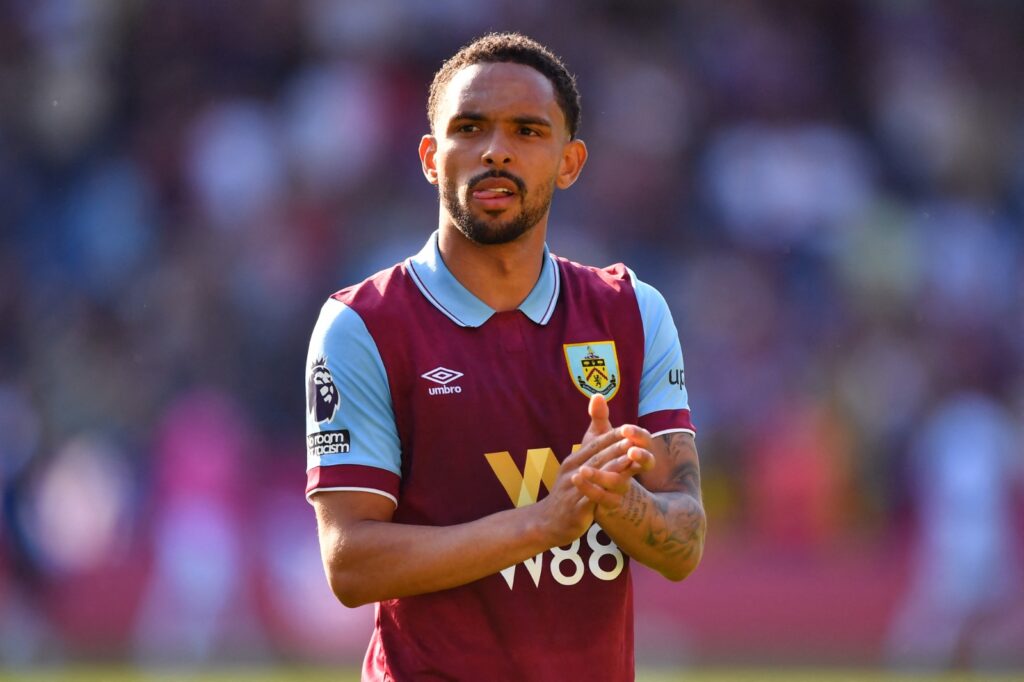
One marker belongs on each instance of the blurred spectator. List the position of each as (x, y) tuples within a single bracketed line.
[(236, 165), (195, 604), (798, 487), (80, 513), (964, 603), (298, 607), (785, 188), (22, 632)]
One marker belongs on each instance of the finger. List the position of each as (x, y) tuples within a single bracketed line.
[(638, 435), (642, 457), (619, 464), (597, 494), (635, 462), (592, 447), (598, 411), (597, 408), (615, 449), (615, 482), (584, 504)]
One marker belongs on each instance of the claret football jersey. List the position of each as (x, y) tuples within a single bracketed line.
[(418, 391)]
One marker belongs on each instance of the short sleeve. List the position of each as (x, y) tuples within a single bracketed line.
[(664, 403), (351, 439)]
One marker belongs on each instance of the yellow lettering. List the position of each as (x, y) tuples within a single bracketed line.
[(523, 487)]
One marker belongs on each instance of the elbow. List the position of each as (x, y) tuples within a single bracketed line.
[(346, 576), (347, 588), (681, 570), (349, 584), (351, 599), (689, 557)]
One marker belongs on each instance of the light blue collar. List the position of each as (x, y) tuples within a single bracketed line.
[(448, 295)]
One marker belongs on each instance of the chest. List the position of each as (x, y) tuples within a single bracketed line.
[(482, 413)]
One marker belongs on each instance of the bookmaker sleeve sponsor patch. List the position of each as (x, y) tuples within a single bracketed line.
[(593, 367), (328, 443)]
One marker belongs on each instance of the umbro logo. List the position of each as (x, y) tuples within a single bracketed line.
[(442, 376)]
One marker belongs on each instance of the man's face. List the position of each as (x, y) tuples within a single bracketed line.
[(500, 141)]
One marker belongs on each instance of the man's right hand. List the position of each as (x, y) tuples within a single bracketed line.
[(566, 512)]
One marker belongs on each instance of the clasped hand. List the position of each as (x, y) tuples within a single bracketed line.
[(599, 473)]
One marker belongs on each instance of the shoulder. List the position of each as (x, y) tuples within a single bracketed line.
[(346, 313), (383, 300), (650, 300), (376, 290), (612, 279)]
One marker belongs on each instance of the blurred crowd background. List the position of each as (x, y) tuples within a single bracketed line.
[(830, 196)]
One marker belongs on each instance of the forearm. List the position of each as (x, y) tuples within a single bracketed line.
[(663, 530), (371, 560), (368, 557)]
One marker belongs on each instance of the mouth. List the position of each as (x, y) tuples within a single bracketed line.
[(494, 192)]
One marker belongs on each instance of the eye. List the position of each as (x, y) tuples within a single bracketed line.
[(467, 128), (529, 132)]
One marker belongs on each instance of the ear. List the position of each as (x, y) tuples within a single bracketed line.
[(574, 155), (428, 155)]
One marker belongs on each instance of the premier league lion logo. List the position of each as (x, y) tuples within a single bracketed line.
[(321, 395)]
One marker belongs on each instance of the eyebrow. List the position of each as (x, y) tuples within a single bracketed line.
[(532, 121), (468, 116), (519, 120)]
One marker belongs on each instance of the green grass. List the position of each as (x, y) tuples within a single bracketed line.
[(349, 674)]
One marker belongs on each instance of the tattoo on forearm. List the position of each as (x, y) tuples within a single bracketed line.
[(677, 526), (634, 506), (672, 521), (687, 477), (684, 469)]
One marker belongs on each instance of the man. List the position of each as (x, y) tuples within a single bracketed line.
[(447, 394)]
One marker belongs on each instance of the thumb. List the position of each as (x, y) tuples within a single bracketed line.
[(598, 411)]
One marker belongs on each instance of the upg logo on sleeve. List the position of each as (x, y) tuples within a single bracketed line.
[(328, 443)]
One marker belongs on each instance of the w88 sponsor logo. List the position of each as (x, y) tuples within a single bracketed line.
[(566, 565)]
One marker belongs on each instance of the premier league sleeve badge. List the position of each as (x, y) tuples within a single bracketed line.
[(321, 393)]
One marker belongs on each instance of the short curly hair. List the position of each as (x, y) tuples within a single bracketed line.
[(517, 49)]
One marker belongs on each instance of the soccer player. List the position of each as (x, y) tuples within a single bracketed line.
[(494, 431)]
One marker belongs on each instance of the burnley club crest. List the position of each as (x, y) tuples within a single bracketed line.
[(593, 367)]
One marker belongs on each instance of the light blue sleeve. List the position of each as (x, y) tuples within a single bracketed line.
[(662, 385), (349, 418)]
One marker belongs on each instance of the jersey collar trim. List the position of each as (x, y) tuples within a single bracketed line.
[(439, 286)]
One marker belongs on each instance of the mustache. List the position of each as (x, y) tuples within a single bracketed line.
[(520, 185)]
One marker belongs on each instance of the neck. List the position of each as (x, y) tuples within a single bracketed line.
[(500, 275)]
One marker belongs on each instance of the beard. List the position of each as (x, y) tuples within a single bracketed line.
[(491, 231)]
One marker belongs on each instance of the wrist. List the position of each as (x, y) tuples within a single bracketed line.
[(539, 532), (628, 499)]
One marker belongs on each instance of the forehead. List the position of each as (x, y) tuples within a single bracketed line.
[(500, 88)]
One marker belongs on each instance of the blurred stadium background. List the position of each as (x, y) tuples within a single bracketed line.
[(830, 195)]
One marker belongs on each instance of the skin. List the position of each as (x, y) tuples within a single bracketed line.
[(643, 490), (648, 499), (504, 118)]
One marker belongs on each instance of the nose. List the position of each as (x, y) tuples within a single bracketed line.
[(497, 152)]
